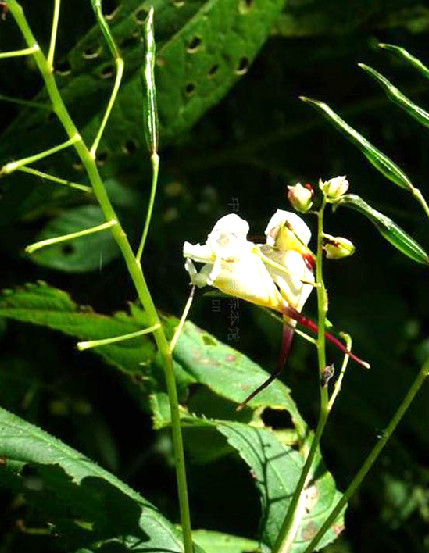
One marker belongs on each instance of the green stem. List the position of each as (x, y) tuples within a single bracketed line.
[(15, 165), (133, 266), (54, 33), (294, 514), (155, 171), (24, 52), (369, 461), (46, 176), (66, 237)]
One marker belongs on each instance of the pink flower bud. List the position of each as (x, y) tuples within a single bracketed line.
[(301, 197)]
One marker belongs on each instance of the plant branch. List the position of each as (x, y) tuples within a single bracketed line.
[(54, 33), (133, 266), (372, 457), (294, 514)]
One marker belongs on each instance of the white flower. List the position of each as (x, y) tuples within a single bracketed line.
[(291, 264), (265, 275)]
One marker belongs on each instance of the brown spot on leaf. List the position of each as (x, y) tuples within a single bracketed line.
[(309, 531)]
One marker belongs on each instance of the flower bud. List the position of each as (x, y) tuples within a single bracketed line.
[(337, 247), (301, 197), (334, 188)]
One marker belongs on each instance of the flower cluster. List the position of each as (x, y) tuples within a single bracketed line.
[(277, 275)]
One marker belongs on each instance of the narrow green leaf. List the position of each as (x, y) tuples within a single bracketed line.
[(396, 95), (388, 229), (84, 505), (150, 111), (375, 156), (404, 54)]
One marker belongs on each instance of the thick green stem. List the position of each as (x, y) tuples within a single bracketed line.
[(296, 508), (133, 266), (372, 457)]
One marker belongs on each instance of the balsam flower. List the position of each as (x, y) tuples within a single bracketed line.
[(269, 275)]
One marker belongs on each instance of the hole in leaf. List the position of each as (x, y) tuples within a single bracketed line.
[(52, 116), (101, 158), (208, 340), (129, 42), (277, 419), (91, 52), (245, 6), (110, 9), (213, 70), (63, 68), (107, 72), (160, 61), (243, 66), (190, 89), (141, 15), (67, 249), (129, 147), (194, 45)]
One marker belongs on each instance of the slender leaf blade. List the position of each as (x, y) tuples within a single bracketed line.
[(380, 161), (396, 95), (404, 54), (392, 232)]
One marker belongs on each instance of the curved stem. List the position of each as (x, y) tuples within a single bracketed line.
[(294, 514), (133, 266), (372, 457)]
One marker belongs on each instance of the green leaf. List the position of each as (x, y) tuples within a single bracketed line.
[(396, 95), (388, 229), (404, 54), (229, 373), (83, 505), (88, 253), (217, 542), (203, 49), (380, 161), (276, 469), (43, 305)]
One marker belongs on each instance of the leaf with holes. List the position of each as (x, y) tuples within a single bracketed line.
[(275, 469), (87, 253), (230, 374), (203, 49), (82, 504)]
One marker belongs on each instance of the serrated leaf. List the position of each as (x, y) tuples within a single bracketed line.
[(43, 305), (380, 161), (85, 505), (88, 253), (218, 542), (275, 468), (392, 232), (229, 373), (396, 95), (404, 54)]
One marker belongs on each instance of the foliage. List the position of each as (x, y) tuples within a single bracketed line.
[(233, 134)]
